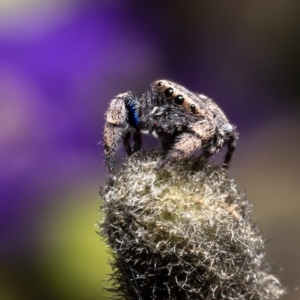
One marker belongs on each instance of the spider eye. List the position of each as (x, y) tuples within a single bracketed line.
[(179, 99), (169, 92), (160, 84), (193, 107)]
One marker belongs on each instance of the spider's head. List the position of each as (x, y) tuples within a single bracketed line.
[(167, 92)]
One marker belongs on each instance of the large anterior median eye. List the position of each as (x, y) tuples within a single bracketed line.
[(169, 92), (179, 99)]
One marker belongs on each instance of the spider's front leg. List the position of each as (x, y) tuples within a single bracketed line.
[(188, 142), (231, 145), (121, 118)]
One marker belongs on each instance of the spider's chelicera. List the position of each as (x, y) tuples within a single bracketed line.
[(183, 121)]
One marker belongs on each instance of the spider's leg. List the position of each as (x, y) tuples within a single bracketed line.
[(117, 128), (137, 141), (188, 142), (165, 141), (231, 144), (205, 155), (185, 145), (126, 143), (211, 148), (112, 137)]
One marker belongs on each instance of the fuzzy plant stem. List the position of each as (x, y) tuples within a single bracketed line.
[(183, 232)]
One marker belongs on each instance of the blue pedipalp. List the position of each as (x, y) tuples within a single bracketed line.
[(133, 118)]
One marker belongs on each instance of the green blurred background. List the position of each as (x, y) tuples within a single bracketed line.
[(61, 61)]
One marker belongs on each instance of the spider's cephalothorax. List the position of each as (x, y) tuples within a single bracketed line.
[(182, 120)]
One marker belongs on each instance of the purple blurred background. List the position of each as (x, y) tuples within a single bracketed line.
[(60, 64)]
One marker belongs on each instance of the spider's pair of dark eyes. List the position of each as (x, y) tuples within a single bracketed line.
[(170, 92), (179, 99)]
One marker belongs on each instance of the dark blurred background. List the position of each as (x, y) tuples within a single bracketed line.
[(61, 61)]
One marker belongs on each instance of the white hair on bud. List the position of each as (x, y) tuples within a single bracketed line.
[(183, 232)]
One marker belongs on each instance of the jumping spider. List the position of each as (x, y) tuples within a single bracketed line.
[(183, 121)]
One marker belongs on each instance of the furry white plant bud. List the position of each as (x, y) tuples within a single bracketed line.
[(183, 232)]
